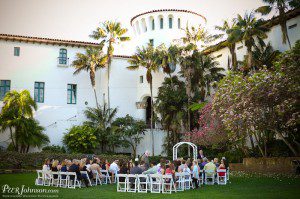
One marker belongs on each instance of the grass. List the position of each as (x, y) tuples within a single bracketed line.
[(240, 187)]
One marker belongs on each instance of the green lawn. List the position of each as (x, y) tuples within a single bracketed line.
[(240, 187)]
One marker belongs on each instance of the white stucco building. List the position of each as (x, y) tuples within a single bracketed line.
[(42, 66)]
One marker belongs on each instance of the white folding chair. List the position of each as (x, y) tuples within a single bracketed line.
[(63, 179), (142, 183), (85, 173), (106, 177), (121, 182), (227, 174), (201, 177), (209, 174), (131, 183), (188, 182), (47, 178), (168, 184), (97, 178), (155, 183), (73, 182), (221, 180), (39, 180), (55, 178), (179, 177)]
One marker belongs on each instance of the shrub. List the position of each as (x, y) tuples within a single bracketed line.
[(54, 149), (15, 160)]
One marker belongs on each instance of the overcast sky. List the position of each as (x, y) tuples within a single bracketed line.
[(76, 19)]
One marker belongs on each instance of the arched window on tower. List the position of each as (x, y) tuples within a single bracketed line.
[(153, 24), (161, 21), (179, 23)]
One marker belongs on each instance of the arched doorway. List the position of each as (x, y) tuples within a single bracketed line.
[(175, 147)]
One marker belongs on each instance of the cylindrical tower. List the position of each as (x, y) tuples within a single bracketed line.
[(163, 26)]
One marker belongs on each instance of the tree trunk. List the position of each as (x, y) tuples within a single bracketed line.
[(12, 138), (283, 26), (233, 57), (287, 143), (251, 140), (189, 93), (259, 147), (249, 53), (93, 82), (151, 119)]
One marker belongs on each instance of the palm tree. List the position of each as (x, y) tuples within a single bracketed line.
[(18, 108), (91, 61), (226, 29), (281, 6), (192, 37), (100, 119), (246, 29), (110, 33), (264, 55), (168, 57), (146, 57)]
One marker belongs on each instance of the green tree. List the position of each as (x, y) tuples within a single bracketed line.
[(18, 106), (171, 104), (146, 57), (264, 55), (100, 120), (226, 28), (280, 6), (110, 33), (91, 61), (246, 29), (81, 139), (131, 131)]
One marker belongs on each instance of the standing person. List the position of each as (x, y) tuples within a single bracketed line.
[(145, 158), (200, 154), (195, 173)]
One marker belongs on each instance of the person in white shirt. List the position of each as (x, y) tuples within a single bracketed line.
[(113, 169)]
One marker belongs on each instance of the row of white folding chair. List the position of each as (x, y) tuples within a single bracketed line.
[(211, 174), (59, 179), (140, 183)]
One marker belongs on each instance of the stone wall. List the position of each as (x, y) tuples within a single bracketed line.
[(265, 165)]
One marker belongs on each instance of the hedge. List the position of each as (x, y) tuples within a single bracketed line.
[(15, 160)]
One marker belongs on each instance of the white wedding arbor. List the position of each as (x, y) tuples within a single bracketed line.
[(175, 147)]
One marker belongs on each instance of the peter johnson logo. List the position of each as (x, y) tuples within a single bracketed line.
[(27, 192)]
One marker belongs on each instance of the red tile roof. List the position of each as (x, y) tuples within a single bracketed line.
[(50, 41), (163, 10)]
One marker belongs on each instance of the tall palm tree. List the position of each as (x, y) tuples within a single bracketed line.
[(246, 29), (280, 6), (100, 119), (147, 58), (226, 29), (91, 61), (191, 39), (110, 33)]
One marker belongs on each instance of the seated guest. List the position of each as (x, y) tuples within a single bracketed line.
[(161, 168), (222, 166), (123, 170), (186, 169), (204, 162), (210, 166), (143, 165), (225, 163), (88, 164), (95, 167), (216, 162), (152, 170), (46, 166), (136, 169), (54, 168), (114, 169), (83, 167), (75, 168), (181, 167)]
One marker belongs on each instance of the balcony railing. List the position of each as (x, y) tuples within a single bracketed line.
[(62, 61)]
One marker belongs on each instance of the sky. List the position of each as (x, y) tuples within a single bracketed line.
[(76, 19)]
